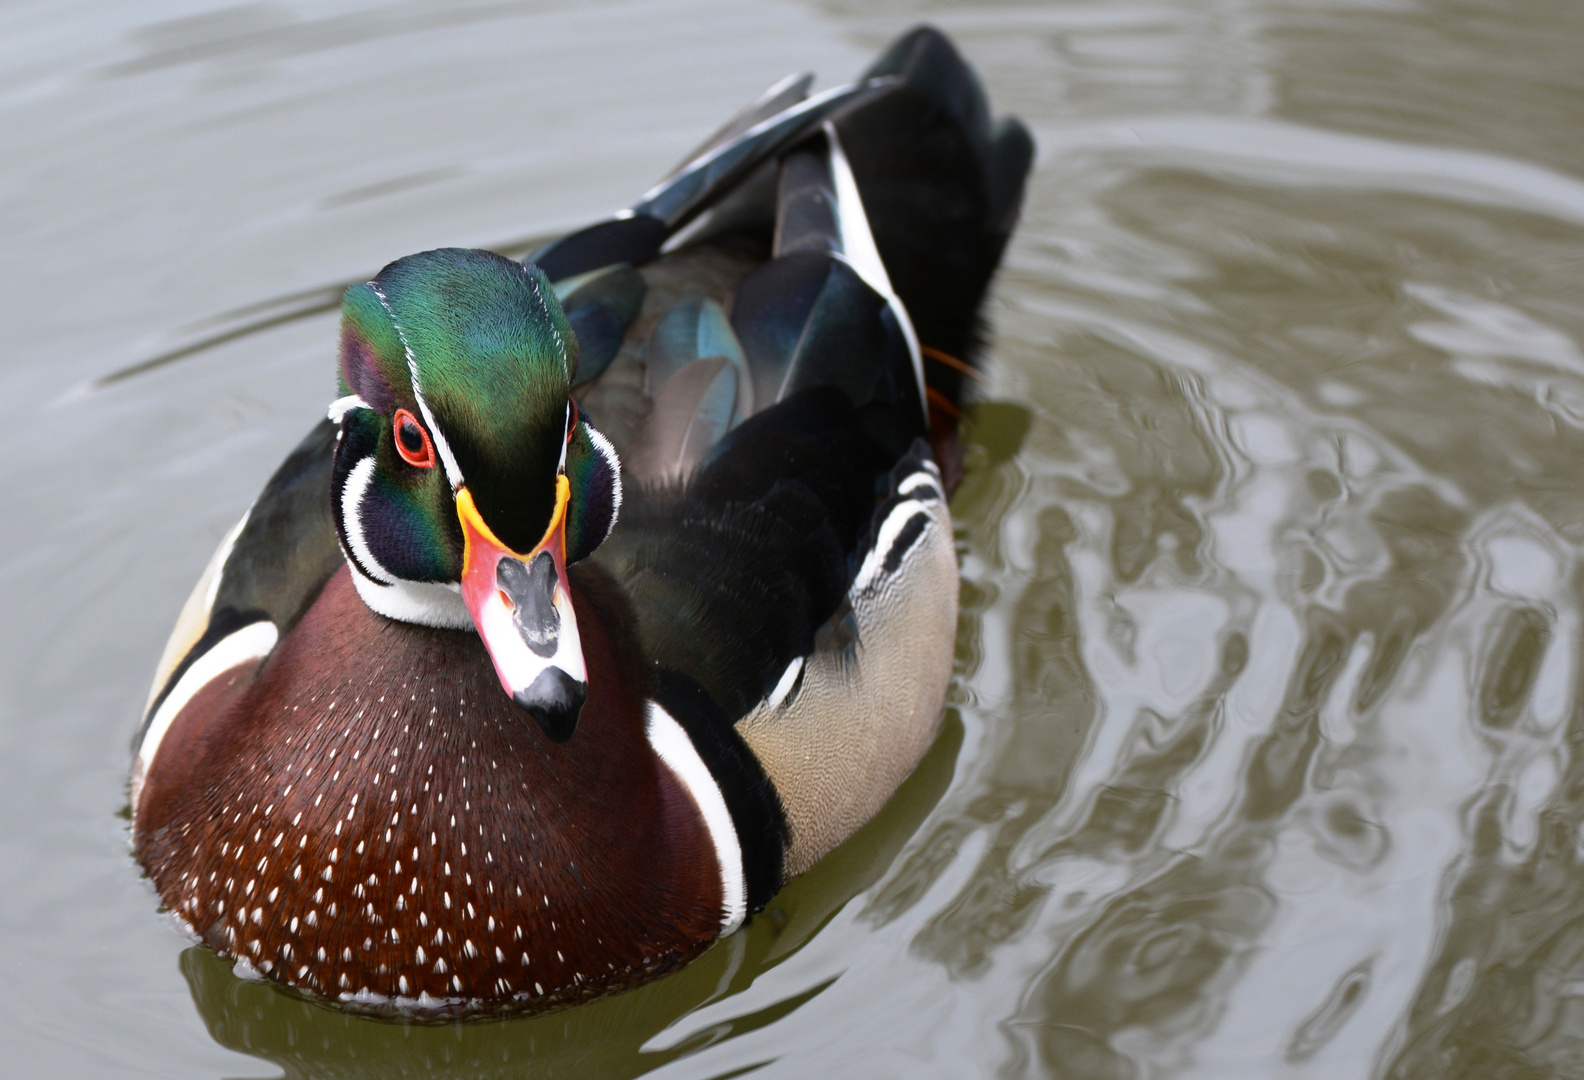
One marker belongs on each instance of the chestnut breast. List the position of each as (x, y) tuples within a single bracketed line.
[(370, 815)]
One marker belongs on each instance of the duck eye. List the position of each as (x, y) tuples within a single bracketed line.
[(412, 441)]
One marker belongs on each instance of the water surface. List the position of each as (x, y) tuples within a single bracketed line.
[(1262, 758)]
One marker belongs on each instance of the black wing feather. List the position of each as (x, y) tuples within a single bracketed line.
[(282, 557), (288, 548), (733, 573)]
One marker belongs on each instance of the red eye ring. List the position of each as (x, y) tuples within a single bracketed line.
[(412, 441)]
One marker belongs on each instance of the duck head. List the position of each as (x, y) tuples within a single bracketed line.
[(465, 482)]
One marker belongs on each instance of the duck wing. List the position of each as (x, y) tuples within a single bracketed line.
[(774, 377), (779, 400), (258, 584)]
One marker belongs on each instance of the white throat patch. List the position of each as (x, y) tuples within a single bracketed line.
[(427, 603)]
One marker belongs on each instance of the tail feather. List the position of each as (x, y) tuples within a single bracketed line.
[(635, 235), (780, 97), (883, 208), (942, 187), (822, 312)]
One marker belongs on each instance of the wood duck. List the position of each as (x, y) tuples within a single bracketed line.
[(483, 706)]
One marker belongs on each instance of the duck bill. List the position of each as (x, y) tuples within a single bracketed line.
[(522, 606)]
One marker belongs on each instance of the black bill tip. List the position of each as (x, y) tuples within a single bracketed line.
[(554, 699)]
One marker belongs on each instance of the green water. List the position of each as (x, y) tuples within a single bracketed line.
[(1264, 754)]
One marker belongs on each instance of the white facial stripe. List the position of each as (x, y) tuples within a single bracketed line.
[(248, 643), (428, 603), (566, 432), (343, 405), (518, 665), (357, 484), (672, 745), (447, 459), (608, 452), (566, 361), (860, 252)]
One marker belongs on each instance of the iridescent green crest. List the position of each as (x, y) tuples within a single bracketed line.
[(479, 345)]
